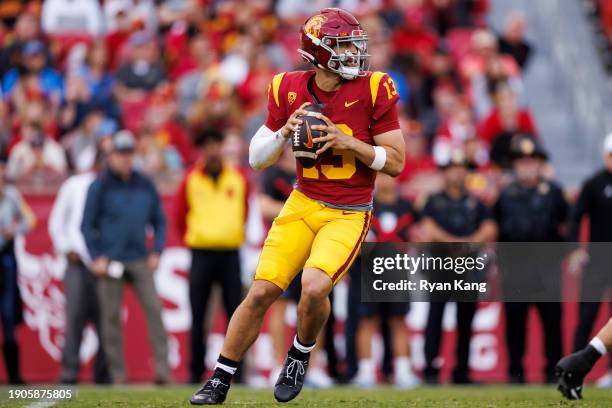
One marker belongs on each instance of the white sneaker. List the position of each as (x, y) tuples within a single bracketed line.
[(404, 376), (406, 381), (316, 377), (366, 374), (605, 381), (364, 380)]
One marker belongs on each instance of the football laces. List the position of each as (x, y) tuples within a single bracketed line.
[(296, 135)]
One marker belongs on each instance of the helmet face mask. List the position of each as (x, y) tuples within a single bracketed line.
[(333, 40), (349, 57)]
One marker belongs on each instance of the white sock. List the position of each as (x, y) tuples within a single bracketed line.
[(366, 366), (301, 347), (598, 345), (402, 366), (226, 368)]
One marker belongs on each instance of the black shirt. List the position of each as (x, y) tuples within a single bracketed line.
[(278, 183), (533, 214), (594, 201), (143, 76), (519, 51), (459, 217), (392, 222)]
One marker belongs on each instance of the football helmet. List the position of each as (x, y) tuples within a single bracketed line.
[(334, 40)]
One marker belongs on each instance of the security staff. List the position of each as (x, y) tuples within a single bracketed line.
[(451, 216), (594, 202), (531, 209)]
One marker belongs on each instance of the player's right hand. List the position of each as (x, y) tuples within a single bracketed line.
[(293, 122)]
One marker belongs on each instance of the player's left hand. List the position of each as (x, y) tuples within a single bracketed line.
[(335, 137)]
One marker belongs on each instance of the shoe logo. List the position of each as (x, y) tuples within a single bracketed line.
[(349, 104), (215, 382), (308, 144)]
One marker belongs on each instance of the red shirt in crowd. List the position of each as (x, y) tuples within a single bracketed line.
[(492, 125)]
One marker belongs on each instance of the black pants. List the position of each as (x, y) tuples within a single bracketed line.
[(208, 267), (10, 312), (433, 337), (595, 280), (516, 326), (9, 296), (81, 308)]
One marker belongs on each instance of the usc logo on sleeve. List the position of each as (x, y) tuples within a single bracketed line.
[(291, 96)]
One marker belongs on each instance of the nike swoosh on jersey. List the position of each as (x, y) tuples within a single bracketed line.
[(349, 104)]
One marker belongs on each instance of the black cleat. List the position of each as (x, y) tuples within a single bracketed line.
[(570, 372), (212, 393), (291, 379)]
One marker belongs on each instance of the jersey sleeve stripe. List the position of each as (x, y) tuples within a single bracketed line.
[(375, 79), (276, 81)]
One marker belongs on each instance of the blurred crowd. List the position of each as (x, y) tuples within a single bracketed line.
[(600, 12), (75, 72), (157, 84)]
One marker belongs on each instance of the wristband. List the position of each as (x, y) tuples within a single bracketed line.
[(380, 158)]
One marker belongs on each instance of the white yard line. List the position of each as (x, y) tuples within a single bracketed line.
[(41, 404)]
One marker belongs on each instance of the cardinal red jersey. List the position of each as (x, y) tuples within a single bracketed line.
[(362, 108)]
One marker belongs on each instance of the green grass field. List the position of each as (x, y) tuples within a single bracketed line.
[(444, 396)]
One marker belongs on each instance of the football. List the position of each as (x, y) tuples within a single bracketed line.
[(304, 149)]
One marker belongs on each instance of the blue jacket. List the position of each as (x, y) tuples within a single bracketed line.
[(117, 214), (50, 81)]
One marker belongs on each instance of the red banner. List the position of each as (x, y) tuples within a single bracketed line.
[(41, 336)]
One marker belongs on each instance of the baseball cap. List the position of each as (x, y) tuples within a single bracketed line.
[(208, 135), (124, 141), (107, 128), (33, 47), (450, 156), (527, 146), (607, 146)]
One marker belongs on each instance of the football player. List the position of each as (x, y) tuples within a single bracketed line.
[(326, 217), (572, 369)]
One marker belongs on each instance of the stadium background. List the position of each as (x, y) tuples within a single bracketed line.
[(238, 78)]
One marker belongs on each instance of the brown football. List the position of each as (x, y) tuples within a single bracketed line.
[(304, 149)]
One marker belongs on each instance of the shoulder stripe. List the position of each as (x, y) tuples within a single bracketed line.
[(276, 81), (374, 84)]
